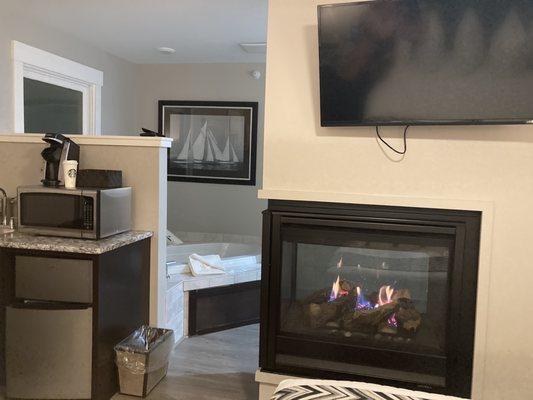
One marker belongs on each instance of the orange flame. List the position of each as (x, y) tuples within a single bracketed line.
[(336, 290), (385, 295)]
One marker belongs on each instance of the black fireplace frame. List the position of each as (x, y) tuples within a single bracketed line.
[(465, 225)]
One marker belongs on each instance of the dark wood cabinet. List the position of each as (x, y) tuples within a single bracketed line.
[(118, 296)]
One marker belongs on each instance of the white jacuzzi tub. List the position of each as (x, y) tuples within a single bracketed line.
[(234, 256), (242, 263), (180, 253)]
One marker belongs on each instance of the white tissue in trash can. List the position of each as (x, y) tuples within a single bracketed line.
[(143, 339)]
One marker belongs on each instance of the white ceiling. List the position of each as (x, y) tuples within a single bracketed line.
[(201, 31)]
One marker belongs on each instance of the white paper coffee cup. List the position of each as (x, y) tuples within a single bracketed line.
[(70, 172)]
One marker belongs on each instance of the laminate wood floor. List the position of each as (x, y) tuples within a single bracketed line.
[(217, 366)]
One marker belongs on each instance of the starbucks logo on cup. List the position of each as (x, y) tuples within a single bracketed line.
[(70, 172)]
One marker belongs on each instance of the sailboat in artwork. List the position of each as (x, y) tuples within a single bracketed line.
[(198, 147), (183, 155), (205, 149), (229, 155), (213, 143)]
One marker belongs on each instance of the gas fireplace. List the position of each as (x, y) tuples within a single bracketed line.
[(381, 294)]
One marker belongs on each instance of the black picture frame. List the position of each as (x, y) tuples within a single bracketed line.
[(197, 153)]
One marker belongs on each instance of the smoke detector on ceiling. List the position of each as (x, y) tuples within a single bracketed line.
[(255, 74), (166, 50), (254, 48)]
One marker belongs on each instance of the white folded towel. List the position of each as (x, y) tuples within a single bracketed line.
[(205, 265)]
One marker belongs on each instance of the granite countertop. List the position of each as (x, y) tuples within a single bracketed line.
[(68, 245)]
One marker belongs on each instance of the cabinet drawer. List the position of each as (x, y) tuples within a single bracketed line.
[(48, 353), (54, 279)]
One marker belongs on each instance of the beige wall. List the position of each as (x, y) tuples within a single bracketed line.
[(119, 93), (21, 163), (201, 207), (444, 165)]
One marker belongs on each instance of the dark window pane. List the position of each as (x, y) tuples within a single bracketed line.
[(52, 109)]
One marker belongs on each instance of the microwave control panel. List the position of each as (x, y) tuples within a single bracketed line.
[(88, 213)]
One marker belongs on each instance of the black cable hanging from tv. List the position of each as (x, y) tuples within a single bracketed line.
[(402, 152)]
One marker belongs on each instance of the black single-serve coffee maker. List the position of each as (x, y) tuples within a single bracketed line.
[(61, 149)]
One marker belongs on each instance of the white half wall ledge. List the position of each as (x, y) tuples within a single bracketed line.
[(104, 140)]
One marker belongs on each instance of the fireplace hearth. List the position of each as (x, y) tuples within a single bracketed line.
[(381, 294)]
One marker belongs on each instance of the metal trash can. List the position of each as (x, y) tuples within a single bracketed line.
[(142, 359)]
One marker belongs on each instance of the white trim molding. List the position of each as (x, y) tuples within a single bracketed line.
[(86, 140), (33, 63)]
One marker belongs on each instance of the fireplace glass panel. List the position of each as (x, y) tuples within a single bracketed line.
[(366, 288)]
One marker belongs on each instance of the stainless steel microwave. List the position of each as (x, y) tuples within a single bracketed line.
[(76, 213)]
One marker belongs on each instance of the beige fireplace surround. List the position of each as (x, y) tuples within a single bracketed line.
[(484, 168)]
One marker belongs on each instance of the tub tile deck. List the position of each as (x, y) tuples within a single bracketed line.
[(246, 273), (239, 269)]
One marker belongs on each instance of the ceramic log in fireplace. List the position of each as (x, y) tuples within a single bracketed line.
[(381, 294)]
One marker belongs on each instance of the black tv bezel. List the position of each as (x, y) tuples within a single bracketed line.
[(392, 122)]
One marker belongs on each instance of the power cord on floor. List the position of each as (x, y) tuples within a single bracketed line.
[(392, 148)]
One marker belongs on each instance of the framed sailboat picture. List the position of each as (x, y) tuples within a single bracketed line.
[(214, 142)]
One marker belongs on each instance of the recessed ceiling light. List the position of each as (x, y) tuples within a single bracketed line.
[(166, 50), (257, 48)]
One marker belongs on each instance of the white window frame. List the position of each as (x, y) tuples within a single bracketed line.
[(40, 65)]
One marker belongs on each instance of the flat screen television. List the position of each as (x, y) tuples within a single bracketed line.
[(413, 62)]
